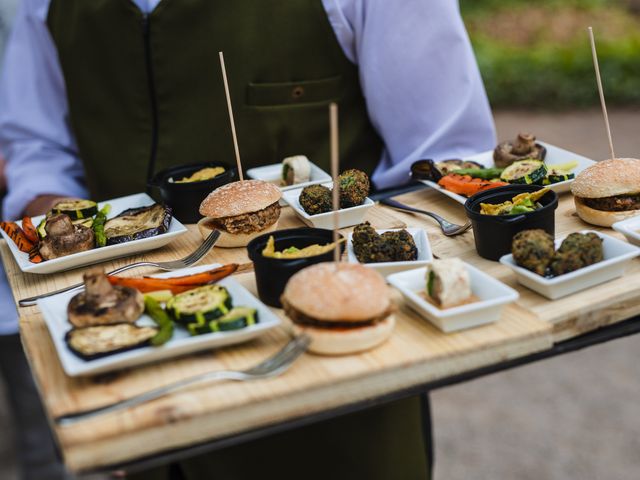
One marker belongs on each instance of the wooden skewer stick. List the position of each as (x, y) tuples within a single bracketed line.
[(333, 123), (601, 91), (233, 125)]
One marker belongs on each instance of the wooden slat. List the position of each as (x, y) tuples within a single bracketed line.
[(416, 353)]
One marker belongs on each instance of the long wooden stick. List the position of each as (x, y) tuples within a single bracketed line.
[(233, 125), (601, 91), (335, 162)]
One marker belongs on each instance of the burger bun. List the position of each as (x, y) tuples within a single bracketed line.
[(600, 217), (238, 198), (325, 341)]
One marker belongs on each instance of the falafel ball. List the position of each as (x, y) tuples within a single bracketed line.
[(577, 251), (404, 246), (371, 247), (533, 250), (354, 188), (316, 199)]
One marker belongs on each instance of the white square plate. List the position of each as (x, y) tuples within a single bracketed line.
[(347, 217), (387, 268), (54, 312), (273, 174), (616, 260), (630, 228), (555, 156), (99, 254), (493, 295)]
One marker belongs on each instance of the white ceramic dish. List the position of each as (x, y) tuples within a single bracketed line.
[(617, 255), (54, 312), (347, 217), (630, 228), (555, 156), (273, 174), (99, 254), (493, 295), (387, 268)]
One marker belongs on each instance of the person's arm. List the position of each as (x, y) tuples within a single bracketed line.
[(35, 135), (420, 79)]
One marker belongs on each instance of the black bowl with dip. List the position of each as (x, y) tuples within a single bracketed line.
[(493, 234), (185, 198), (272, 274)]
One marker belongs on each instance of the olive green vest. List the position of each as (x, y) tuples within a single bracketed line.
[(146, 92)]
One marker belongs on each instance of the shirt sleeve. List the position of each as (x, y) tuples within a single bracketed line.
[(35, 135), (420, 79)]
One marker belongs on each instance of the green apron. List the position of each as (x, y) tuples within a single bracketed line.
[(145, 93)]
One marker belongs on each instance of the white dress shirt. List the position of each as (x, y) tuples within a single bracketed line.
[(422, 86)]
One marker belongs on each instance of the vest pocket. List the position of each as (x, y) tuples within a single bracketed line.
[(294, 93)]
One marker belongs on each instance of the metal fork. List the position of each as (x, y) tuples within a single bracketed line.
[(270, 367), (448, 228), (185, 262)]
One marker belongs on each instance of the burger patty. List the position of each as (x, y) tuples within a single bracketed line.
[(620, 203), (302, 319), (249, 222)]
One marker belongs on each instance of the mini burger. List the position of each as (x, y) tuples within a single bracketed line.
[(344, 309), (240, 211), (608, 192)]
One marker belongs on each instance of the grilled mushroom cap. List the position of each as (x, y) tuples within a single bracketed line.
[(64, 238), (523, 147), (104, 304)]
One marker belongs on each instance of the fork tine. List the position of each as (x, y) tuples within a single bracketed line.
[(202, 250), (292, 349)]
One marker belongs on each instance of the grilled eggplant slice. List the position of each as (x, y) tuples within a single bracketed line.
[(138, 223), (94, 342)]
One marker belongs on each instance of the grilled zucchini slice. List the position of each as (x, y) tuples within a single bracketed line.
[(86, 222), (76, 208), (200, 305), (236, 319), (527, 172)]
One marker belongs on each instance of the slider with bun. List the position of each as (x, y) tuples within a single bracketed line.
[(608, 192), (344, 308), (241, 211)]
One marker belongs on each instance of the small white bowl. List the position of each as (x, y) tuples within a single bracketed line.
[(630, 228), (493, 295), (273, 174), (387, 268), (347, 217), (616, 260)]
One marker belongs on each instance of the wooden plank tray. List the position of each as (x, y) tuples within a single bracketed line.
[(417, 352)]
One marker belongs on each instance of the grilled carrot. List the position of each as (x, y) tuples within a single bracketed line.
[(177, 284), (34, 256), (17, 235), (203, 278), (29, 230)]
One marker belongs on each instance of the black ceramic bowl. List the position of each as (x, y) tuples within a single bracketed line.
[(185, 198), (493, 234), (272, 274)]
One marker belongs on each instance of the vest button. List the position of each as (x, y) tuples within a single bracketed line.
[(297, 92)]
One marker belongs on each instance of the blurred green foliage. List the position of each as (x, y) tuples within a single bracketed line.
[(536, 70)]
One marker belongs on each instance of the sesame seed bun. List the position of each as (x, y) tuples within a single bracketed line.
[(325, 341), (349, 293), (609, 178), (237, 198), (601, 218)]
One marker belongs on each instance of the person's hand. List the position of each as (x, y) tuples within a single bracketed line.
[(41, 205)]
